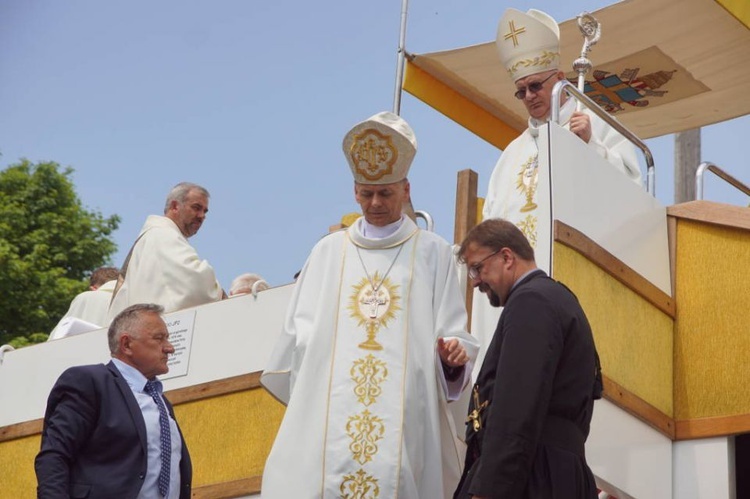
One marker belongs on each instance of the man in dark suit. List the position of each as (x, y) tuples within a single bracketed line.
[(534, 396), (108, 430)]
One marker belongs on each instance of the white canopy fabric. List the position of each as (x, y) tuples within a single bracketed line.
[(661, 66)]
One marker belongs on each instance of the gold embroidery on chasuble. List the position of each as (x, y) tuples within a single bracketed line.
[(365, 429), (373, 154), (529, 228), (364, 433), (528, 177), (368, 374), (359, 485), (526, 183), (374, 304)]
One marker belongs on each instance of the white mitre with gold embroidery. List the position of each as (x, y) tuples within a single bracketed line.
[(528, 42), (380, 149)]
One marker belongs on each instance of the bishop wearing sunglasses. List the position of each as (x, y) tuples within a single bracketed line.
[(529, 47)]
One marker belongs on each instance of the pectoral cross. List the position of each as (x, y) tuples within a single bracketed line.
[(475, 416), (374, 302)]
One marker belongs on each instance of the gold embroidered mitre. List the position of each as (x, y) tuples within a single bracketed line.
[(528, 42), (380, 149)]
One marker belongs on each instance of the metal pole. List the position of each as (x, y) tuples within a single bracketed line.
[(401, 59), (565, 86)]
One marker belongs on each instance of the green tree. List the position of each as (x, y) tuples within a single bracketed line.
[(49, 243)]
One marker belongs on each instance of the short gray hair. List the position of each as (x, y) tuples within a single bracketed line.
[(245, 282), (127, 320), (180, 191)]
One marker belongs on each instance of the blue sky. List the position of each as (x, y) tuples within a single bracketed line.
[(251, 99)]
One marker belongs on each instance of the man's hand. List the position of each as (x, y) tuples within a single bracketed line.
[(452, 352), (580, 124)]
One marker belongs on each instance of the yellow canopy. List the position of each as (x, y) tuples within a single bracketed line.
[(661, 66)]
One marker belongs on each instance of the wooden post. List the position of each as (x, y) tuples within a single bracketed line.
[(466, 219), (466, 204), (687, 158)]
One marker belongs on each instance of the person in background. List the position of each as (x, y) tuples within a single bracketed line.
[(90, 306), (108, 429), (243, 284), (162, 267)]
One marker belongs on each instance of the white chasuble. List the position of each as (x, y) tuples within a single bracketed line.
[(356, 365), (165, 269), (517, 193), (365, 403)]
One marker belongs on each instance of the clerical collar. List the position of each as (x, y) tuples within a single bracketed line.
[(400, 232), (566, 112), (374, 232)]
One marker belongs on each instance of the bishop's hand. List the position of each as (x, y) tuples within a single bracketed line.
[(452, 352), (580, 124)]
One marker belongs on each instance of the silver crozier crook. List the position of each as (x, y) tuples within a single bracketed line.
[(591, 30)]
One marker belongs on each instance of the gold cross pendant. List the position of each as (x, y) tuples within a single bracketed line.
[(475, 416)]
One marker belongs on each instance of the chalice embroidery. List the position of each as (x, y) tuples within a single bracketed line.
[(374, 303), (527, 181)]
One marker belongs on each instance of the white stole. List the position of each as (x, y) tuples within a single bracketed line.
[(365, 414)]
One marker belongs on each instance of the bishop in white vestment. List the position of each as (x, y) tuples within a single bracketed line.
[(529, 48), (373, 347)]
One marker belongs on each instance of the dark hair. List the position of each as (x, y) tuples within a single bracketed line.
[(496, 234), (102, 275), (127, 320)]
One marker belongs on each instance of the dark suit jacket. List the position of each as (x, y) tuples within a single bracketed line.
[(540, 369), (94, 438)]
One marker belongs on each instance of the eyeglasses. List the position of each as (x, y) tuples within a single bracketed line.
[(533, 87), (475, 269)]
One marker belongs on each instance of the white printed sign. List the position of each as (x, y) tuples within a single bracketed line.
[(180, 326)]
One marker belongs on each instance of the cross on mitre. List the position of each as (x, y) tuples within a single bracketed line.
[(513, 33)]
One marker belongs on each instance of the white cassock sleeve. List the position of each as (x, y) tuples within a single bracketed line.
[(450, 322), (615, 148), (281, 371), (165, 269)]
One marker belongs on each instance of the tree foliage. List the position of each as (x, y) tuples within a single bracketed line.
[(49, 244)]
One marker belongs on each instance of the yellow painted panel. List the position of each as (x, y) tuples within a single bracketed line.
[(739, 9), (229, 436), (17, 477), (452, 104), (634, 338), (712, 334)]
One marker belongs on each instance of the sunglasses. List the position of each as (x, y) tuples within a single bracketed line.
[(533, 87)]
